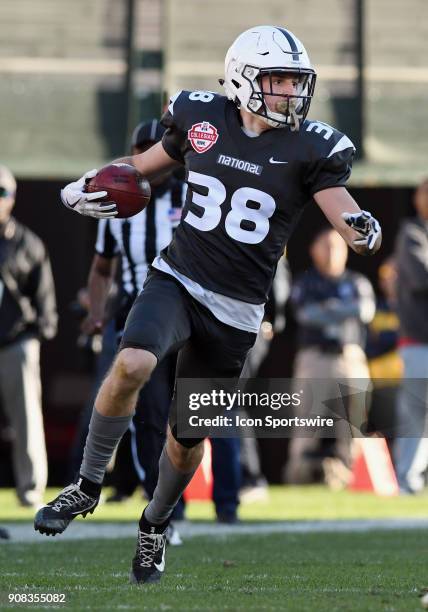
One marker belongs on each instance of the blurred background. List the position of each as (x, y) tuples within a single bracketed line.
[(77, 76)]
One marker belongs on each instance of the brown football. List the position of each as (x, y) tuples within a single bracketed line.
[(125, 186)]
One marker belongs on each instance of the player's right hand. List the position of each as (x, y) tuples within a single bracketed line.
[(75, 197)]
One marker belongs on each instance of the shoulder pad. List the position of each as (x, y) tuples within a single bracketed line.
[(187, 100), (324, 139)]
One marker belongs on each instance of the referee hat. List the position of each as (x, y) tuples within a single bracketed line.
[(147, 131)]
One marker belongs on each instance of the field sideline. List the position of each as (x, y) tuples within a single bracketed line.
[(333, 566)]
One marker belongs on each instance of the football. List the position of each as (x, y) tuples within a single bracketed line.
[(124, 185)]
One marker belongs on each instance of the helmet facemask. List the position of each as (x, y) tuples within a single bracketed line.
[(291, 110)]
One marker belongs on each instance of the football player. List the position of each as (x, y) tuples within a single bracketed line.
[(253, 161)]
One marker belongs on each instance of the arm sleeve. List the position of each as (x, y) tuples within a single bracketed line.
[(175, 138), (106, 244), (332, 168), (412, 257)]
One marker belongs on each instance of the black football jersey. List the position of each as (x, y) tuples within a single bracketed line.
[(245, 193)]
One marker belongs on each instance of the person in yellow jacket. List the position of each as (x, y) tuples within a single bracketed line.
[(385, 364)]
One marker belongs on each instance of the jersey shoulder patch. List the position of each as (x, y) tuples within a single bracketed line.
[(192, 118)]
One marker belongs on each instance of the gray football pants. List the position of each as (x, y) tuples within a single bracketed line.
[(20, 396)]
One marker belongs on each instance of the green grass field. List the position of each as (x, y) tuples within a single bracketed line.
[(383, 570), (284, 503), (323, 572)]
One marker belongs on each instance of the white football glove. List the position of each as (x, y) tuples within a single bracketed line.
[(74, 197), (366, 225)]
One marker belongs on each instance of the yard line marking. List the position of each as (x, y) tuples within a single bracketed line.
[(20, 532)]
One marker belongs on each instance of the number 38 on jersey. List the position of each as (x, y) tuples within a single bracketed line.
[(248, 219)]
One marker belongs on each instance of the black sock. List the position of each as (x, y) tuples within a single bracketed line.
[(93, 489), (150, 527)]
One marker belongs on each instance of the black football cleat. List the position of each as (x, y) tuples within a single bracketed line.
[(57, 515), (148, 564)]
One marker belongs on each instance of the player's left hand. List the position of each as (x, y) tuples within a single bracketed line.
[(367, 227), (75, 197)]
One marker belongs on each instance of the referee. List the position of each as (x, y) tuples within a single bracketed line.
[(136, 242)]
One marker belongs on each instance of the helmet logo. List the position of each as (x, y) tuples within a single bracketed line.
[(202, 136), (292, 43)]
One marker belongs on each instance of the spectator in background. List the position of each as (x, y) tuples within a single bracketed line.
[(136, 242), (27, 316), (99, 350), (411, 454), (332, 305), (385, 364), (254, 485)]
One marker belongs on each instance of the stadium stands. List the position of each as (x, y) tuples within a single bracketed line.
[(62, 68)]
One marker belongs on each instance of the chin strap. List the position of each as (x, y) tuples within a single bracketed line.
[(295, 118), (295, 121), (287, 108)]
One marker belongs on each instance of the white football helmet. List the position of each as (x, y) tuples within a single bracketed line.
[(269, 50)]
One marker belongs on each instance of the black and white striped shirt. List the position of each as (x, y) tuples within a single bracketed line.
[(139, 239)]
